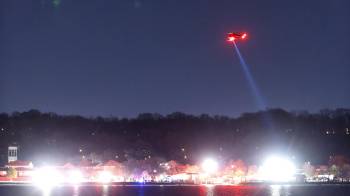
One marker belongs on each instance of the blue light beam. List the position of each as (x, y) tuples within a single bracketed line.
[(260, 103)]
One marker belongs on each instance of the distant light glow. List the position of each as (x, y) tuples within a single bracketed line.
[(75, 177), (210, 166), (56, 3), (47, 177), (180, 177), (278, 169), (105, 177)]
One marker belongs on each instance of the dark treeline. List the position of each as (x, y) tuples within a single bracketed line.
[(178, 136)]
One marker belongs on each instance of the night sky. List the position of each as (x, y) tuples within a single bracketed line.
[(124, 57)]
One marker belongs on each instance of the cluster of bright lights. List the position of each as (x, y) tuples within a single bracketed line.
[(210, 166), (47, 177), (180, 177), (278, 169), (105, 177), (275, 169), (75, 177)]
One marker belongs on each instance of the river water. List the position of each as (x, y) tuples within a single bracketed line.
[(166, 190)]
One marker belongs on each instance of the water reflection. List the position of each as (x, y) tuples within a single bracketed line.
[(45, 190), (141, 191), (278, 190), (275, 190), (210, 190), (105, 190), (207, 190), (76, 190)]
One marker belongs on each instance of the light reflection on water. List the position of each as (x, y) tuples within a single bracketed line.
[(105, 190), (76, 190), (278, 190), (275, 190), (208, 190)]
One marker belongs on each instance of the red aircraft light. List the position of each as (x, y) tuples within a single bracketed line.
[(231, 37)]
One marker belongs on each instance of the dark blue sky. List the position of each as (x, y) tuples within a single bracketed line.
[(123, 57)]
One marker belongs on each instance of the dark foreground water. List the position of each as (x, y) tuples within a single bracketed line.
[(273, 190)]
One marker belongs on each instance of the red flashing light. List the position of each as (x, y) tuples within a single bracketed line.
[(231, 37)]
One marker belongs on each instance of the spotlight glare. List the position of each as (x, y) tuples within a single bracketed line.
[(105, 177), (210, 166), (278, 169), (75, 177), (47, 177)]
